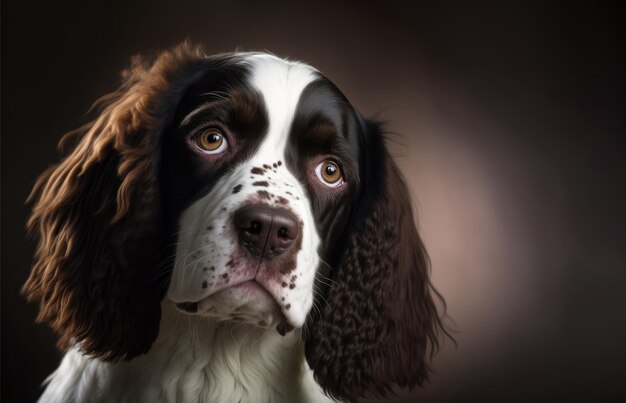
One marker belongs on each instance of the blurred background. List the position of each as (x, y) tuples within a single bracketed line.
[(511, 129)]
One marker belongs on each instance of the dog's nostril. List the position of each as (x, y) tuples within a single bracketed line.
[(283, 232), (255, 227)]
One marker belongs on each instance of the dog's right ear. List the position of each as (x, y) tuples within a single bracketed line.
[(378, 321), (97, 216)]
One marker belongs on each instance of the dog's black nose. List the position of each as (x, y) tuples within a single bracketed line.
[(266, 231)]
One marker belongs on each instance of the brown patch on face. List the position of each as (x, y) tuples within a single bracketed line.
[(266, 166), (264, 194), (237, 188), (204, 284), (284, 284), (282, 200), (292, 286), (261, 183), (287, 306), (280, 163), (257, 171), (274, 165), (225, 276)]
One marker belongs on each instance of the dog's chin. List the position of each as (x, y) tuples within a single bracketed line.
[(247, 302)]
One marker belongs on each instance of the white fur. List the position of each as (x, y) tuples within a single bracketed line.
[(194, 359)]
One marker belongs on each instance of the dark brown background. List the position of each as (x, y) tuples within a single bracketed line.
[(511, 122)]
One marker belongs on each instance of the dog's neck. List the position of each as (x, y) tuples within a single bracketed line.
[(194, 360)]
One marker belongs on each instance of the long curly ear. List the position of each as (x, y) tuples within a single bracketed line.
[(378, 317), (97, 217)]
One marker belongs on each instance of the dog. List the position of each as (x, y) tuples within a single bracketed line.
[(229, 228)]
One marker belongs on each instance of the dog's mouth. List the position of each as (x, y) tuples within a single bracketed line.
[(188, 307), (250, 286), (254, 290)]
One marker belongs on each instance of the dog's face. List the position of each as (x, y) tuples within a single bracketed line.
[(239, 187), (257, 166)]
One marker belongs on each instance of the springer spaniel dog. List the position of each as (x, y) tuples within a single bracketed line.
[(230, 229)]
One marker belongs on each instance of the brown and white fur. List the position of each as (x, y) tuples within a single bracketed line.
[(173, 271)]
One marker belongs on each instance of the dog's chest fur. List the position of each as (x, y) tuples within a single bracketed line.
[(193, 360)]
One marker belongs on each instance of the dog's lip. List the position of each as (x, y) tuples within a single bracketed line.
[(189, 307), (283, 326), (250, 285), (192, 306)]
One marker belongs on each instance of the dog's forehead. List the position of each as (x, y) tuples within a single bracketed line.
[(281, 83), (280, 78)]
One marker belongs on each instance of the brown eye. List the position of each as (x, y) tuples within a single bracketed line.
[(211, 142), (329, 174)]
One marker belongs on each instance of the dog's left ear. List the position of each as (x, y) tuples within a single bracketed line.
[(378, 317)]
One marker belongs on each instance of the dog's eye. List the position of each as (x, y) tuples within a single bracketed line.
[(329, 174), (211, 142)]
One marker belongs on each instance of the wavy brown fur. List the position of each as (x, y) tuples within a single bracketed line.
[(97, 217), (378, 318)]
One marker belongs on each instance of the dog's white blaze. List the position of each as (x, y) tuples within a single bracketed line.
[(281, 83)]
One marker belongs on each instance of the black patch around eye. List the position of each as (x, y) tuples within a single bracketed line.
[(223, 92), (326, 125)]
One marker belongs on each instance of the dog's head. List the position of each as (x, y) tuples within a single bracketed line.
[(240, 187)]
